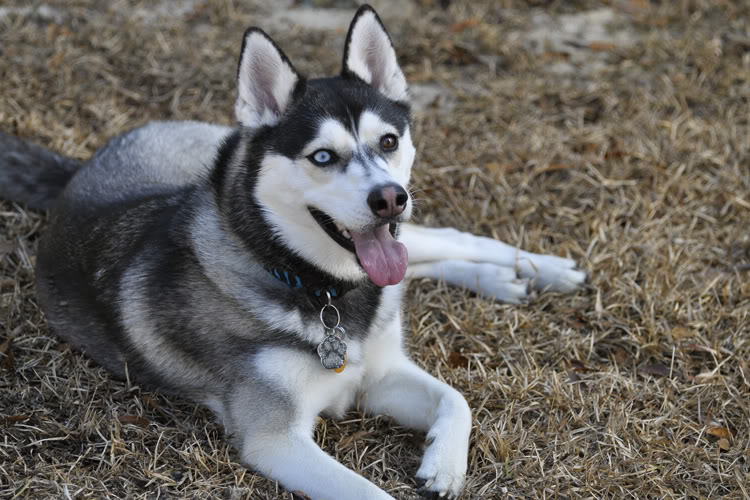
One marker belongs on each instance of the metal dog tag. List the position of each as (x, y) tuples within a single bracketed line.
[(332, 351)]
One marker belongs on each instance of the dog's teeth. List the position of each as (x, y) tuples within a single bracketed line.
[(346, 234)]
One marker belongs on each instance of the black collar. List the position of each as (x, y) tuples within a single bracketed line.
[(313, 284)]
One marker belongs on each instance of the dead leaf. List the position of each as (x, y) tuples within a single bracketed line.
[(578, 320), (615, 153), (723, 444), (62, 347), (657, 21), (681, 332), (655, 369), (14, 419), (465, 24), (501, 167), (457, 360), (55, 31), (55, 61), (133, 420), (302, 494), (348, 440), (556, 55), (602, 46), (9, 362), (6, 355), (590, 148), (700, 348), (621, 356), (579, 366), (720, 432), (555, 166), (152, 402), (460, 54)]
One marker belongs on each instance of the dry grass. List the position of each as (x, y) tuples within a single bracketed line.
[(638, 166)]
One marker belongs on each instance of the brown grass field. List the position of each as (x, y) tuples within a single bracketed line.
[(613, 132)]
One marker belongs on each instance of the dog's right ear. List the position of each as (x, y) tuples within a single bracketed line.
[(266, 80)]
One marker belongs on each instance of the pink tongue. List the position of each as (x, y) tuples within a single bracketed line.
[(383, 258)]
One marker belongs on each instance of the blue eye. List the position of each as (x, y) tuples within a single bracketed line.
[(323, 157)]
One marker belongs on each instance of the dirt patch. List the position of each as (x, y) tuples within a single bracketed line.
[(635, 162), (583, 41)]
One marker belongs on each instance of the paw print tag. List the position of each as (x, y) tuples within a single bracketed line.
[(332, 351)]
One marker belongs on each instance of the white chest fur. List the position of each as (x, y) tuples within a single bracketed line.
[(316, 390), (313, 388)]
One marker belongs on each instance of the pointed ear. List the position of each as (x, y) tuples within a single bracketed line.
[(369, 55), (266, 80)]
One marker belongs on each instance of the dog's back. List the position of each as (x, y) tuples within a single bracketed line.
[(129, 193), (156, 158)]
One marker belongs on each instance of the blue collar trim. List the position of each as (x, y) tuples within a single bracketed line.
[(294, 281)]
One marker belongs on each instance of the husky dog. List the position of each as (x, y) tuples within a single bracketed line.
[(259, 270)]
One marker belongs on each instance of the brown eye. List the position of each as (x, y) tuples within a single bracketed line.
[(389, 142)]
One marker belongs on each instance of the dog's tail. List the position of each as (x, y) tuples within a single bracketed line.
[(32, 175)]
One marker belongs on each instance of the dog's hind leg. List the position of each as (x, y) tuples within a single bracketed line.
[(430, 245), (418, 400)]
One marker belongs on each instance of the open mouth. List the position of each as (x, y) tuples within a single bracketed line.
[(382, 257), (338, 232)]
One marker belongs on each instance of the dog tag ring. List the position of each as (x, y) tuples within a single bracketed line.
[(332, 351)]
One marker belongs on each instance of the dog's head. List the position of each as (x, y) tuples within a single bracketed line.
[(334, 155)]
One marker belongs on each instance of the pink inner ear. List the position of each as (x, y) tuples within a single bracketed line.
[(376, 61), (266, 82), (370, 51), (263, 80)]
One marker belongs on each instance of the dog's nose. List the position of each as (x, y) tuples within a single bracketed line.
[(388, 200)]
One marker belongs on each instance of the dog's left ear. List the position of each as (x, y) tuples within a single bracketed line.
[(267, 83), (369, 55)]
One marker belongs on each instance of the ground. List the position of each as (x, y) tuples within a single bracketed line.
[(616, 133)]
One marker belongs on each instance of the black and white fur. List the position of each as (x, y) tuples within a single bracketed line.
[(158, 252)]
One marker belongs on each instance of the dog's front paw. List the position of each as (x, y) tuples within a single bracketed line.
[(441, 475), (560, 280), (499, 282), (555, 274)]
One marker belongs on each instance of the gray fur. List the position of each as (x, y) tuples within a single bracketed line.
[(159, 156), (31, 175)]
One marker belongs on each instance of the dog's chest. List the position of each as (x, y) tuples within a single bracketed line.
[(316, 389), (313, 388)]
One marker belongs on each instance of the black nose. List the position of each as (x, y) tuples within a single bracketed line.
[(388, 200)]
